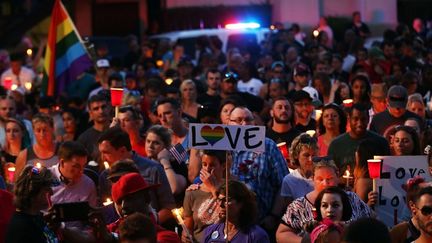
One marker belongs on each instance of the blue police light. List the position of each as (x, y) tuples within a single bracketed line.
[(237, 26)]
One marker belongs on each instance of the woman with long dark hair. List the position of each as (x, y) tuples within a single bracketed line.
[(242, 217)]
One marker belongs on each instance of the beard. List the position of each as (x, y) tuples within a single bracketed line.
[(281, 121), (424, 226)]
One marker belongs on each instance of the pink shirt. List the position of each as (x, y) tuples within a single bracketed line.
[(323, 148)]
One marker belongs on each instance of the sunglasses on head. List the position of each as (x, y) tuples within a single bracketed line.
[(324, 159), (426, 210)]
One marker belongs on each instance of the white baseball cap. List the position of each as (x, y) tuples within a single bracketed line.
[(102, 63)]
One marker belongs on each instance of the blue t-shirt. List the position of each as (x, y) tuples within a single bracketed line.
[(215, 233)]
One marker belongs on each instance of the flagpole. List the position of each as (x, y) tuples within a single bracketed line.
[(227, 164)]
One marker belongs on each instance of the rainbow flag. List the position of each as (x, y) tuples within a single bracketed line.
[(65, 56)]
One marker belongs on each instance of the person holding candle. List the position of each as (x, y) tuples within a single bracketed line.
[(200, 207), (32, 189), (45, 148), (366, 150), (342, 148), (114, 145), (239, 223), (331, 124), (302, 210), (130, 195), (74, 185)]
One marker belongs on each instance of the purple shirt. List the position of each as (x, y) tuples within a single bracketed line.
[(215, 233), (82, 190)]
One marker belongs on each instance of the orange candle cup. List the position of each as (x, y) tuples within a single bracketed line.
[(10, 174), (283, 149), (374, 166), (347, 103), (7, 83), (116, 96)]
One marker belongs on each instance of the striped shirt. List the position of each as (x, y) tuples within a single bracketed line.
[(301, 211)]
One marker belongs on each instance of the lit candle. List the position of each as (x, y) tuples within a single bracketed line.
[(311, 132), (38, 165), (107, 202), (106, 165), (348, 103), (318, 114), (374, 167), (28, 85), (315, 33), (11, 174), (178, 214), (347, 177), (14, 87), (7, 82)]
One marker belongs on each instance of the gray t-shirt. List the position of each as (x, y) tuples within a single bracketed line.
[(192, 201)]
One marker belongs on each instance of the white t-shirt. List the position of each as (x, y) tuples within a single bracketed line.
[(26, 75), (253, 86)]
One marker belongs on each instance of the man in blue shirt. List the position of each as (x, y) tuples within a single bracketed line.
[(261, 172)]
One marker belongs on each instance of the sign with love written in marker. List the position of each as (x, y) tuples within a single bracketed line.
[(227, 137)]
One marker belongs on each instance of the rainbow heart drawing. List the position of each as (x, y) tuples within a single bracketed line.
[(212, 135)]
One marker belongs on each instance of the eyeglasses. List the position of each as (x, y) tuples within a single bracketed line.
[(325, 159), (426, 210), (240, 120), (224, 200), (231, 75)]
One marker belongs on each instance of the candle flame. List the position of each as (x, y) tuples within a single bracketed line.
[(28, 85), (281, 144), (311, 132), (107, 202), (38, 165), (106, 164), (347, 174), (178, 212), (318, 114), (14, 87)]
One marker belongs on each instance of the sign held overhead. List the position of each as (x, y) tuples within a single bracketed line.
[(227, 137)]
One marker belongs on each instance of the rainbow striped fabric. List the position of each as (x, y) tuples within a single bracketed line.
[(65, 56)]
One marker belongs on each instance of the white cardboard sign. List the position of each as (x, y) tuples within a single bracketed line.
[(395, 171), (227, 137)]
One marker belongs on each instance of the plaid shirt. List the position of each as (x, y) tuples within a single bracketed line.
[(262, 172)]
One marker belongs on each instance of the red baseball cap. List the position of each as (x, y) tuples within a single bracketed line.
[(128, 184)]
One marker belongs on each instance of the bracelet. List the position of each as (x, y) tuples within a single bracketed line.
[(168, 168)]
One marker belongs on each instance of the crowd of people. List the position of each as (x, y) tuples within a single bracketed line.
[(328, 106)]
